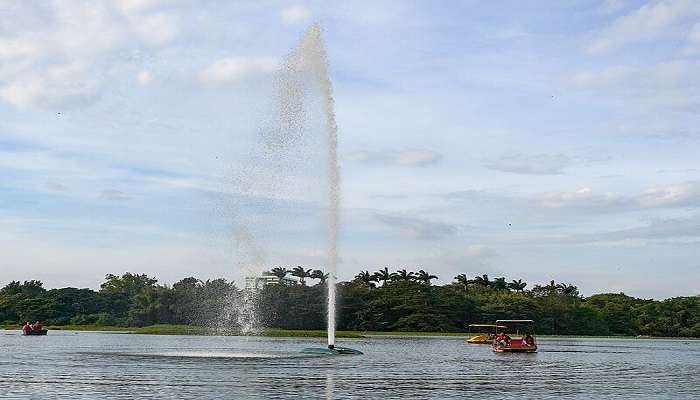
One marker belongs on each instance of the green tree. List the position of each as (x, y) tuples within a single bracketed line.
[(301, 273), (499, 284), (462, 281), (280, 272), (517, 286), (482, 280), (402, 275), (320, 275), (365, 278), (424, 277), (383, 276), (119, 292)]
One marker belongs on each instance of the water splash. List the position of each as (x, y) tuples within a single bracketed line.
[(314, 52), (280, 169)]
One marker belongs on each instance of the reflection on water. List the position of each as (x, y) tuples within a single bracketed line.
[(329, 384), (100, 366)]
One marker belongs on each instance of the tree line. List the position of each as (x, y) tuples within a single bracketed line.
[(382, 300)]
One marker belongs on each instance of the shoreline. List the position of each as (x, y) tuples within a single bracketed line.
[(274, 332)]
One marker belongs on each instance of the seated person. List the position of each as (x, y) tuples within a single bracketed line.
[(528, 340), (503, 339), (37, 326), (26, 327)]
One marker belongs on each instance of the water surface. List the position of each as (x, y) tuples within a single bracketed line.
[(91, 365)]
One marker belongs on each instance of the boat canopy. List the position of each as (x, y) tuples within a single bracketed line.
[(515, 321), (485, 326)]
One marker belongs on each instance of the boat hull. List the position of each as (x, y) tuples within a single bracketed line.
[(515, 350), (479, 339), (334, 351), (40, 332)]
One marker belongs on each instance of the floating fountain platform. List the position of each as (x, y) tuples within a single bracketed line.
[(331, 351)]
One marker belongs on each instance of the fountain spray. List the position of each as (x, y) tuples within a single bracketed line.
[(313, 52)]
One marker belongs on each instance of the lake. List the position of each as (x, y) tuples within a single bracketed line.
[(92, 365)]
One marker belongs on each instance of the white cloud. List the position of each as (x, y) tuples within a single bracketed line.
[(56, 187), (295, 14), (613, 6), (59, 260), (11, 49), (417, 157), (673, 229), (672, 195), (157, 29), (409, 157), (21, 93), (478, 250), (605, 77), (584, 197), (539, 164), (648, 22), (232, 69), (144, 78), (65, 85), (694, 39), (113, 194), (417, 228), (677, 195), (59, 62), (132, 6), (646, 90)]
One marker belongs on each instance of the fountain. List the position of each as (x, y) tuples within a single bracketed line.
[(279, 169), (311, 54)]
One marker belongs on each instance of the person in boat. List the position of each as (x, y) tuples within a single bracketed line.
[(503, 339), (528, 340), (26, 328), (37, 326)]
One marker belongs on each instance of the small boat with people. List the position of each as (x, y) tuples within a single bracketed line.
[(522, 340), (485, 333), (35, 329)]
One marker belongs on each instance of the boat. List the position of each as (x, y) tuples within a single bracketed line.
[(36, 332), (518, 336), (486, 336)]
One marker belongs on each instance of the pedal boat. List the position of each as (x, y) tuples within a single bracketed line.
[(520, 327), (37, 332)]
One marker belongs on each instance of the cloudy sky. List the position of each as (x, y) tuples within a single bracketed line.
[(534, 140)]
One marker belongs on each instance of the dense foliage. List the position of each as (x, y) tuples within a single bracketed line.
[(380, 301)]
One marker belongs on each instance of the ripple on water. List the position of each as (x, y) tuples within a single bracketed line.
[(90, 366)]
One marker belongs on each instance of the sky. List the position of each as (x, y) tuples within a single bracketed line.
[(533, 140)]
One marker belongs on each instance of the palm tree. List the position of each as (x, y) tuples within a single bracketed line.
[(402, 275), (499, 283), (383, 276), (425, 277), (463, 281), (366, 278), (301, 273), (518, 285), (482, 280), (279, 272), (318, 274), (569, 290)]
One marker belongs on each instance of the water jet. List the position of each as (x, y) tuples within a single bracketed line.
[(312, 51)]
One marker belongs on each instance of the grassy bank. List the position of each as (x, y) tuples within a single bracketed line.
[(165, 329)]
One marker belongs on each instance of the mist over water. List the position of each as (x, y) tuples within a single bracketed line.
[(293, 165)]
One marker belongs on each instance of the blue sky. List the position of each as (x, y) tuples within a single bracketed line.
[(534, 140)]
